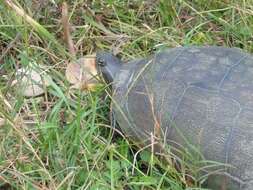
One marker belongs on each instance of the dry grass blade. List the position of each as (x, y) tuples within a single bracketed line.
[(2, 121), (10, 45)]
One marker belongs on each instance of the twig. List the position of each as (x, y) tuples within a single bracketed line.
[(66, 30)]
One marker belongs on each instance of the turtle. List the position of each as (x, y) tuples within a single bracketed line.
[(197, 98)]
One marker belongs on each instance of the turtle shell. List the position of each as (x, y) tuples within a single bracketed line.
[(199, 97)]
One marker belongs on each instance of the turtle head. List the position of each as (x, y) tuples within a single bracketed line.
[(107, 65)]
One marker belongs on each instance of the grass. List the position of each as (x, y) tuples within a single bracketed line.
[(63, 139)]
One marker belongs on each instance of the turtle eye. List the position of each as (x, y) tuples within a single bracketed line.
[(101, 62)]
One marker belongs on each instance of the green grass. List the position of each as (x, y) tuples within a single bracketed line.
[(63, 139)]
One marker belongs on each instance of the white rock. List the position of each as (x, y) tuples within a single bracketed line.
[(29, 82)]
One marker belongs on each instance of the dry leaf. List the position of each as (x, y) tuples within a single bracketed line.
[(82, 73)]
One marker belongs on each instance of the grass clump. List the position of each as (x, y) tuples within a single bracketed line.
[(63, 140)]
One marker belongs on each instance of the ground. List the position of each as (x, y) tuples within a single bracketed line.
[(63, 139)]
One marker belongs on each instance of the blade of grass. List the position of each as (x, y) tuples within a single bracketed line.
[(42, 31)]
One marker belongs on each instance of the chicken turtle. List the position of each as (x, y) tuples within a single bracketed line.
[(198, 97)]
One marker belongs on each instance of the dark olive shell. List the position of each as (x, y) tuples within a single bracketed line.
[(199, 97)]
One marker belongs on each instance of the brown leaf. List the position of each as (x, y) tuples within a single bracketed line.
[(82, 73)]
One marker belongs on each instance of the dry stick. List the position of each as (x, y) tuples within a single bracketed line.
[(66, 30)]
